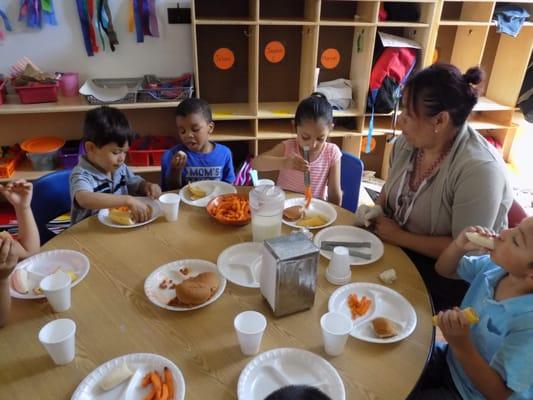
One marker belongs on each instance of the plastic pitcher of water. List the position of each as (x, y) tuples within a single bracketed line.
[(266, 204)]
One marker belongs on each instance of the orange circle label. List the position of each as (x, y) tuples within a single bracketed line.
[(223, 58), (274, 51), (330, 58), (372, 144)]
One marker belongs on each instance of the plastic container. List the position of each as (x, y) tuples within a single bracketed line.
[(43, 152), (37, 93), (69, 84), (148, 150), (9, 161), (266, 204), (70, 153)]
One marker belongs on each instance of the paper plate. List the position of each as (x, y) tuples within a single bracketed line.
[(344, 233), (211, 188), (385, 303), (317, 206), (241, 264), (131, 389), (160, 297), (103, 214), (43, 264), (276, 368)]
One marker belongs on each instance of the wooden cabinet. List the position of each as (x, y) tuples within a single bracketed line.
[(266, 92), (255, 60)]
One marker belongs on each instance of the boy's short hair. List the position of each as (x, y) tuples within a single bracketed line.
[(297, 392), (194, 106), (106, 125)]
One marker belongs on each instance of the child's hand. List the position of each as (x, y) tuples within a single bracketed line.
[(297, 162), (462, 240), (8, 258), (454, 326), (152, 190), (139, 211), (179, 160), (18, 193)]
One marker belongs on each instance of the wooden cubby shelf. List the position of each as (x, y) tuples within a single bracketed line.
[(275, 49)]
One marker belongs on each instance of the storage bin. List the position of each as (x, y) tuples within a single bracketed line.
[(70, 153), (9, 161), (149, 150), (43, 152), (37, 93)]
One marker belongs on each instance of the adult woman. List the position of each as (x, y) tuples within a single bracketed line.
[(444, 176)]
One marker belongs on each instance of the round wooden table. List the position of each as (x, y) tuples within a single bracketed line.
[(114, 317)]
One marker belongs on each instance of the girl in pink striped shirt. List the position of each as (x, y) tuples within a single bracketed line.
[(314, 122)]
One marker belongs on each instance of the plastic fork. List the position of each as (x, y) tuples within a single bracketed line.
[(307, 180)]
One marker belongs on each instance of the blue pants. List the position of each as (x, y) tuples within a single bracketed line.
[(437, 382)]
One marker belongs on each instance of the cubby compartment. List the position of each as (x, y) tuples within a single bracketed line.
[(231, 130), (343, 53), (461, 46), (463, 13), (416, 34), (286, 75), (276, 129), (505, 62), (225, 11), (348, 11), (290, 12), (226, 61), (405, 14)]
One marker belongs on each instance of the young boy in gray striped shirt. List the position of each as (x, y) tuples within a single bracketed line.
[(101, 179)]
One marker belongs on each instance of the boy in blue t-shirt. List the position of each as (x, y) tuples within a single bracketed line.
[(197, 158), (493, 358)]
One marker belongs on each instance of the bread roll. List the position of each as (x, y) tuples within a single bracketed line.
[(197, 290), (384, 328), (121, 216), (481, 240)]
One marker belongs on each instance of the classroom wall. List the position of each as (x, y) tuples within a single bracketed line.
[(61, 48)]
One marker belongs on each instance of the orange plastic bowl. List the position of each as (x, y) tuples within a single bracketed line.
[(220, 209)]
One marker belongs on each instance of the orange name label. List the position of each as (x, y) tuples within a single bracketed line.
[(372, 143), (223, 58), (330, 58), (274, 51)]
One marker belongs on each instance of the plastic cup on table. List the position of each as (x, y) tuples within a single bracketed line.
[(59, 339), (69, 84), (265, 182), (170, 204), (335, 329), (250, 326), (56, 288), (339, 272)]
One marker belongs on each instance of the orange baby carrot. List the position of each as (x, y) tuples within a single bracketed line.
[(169, 382)]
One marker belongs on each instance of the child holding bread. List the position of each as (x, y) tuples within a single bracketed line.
[(197, 158), (19, 195), (102, 179), (492, 358)]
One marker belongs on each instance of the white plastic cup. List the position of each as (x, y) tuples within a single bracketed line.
[(339, 272), (250, 326), (335, 329), (59, 339), (170, 204), (265, 182), (56, 288)]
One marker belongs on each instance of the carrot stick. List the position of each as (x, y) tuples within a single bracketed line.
[(170, 383), (146, 380), (151, 395), (164, 392), (156, 381)]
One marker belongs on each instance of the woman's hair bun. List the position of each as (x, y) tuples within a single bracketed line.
[(473, 76)]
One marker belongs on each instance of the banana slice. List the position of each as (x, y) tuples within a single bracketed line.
[(115, 377), (480, 240), (20, 281)]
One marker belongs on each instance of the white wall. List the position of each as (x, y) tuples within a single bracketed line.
[(61, 48)]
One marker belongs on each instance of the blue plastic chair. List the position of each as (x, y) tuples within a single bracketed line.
[(51, 198), (351, 176), (165, 165)]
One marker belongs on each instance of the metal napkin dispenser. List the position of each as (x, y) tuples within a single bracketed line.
[(289, 273)]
